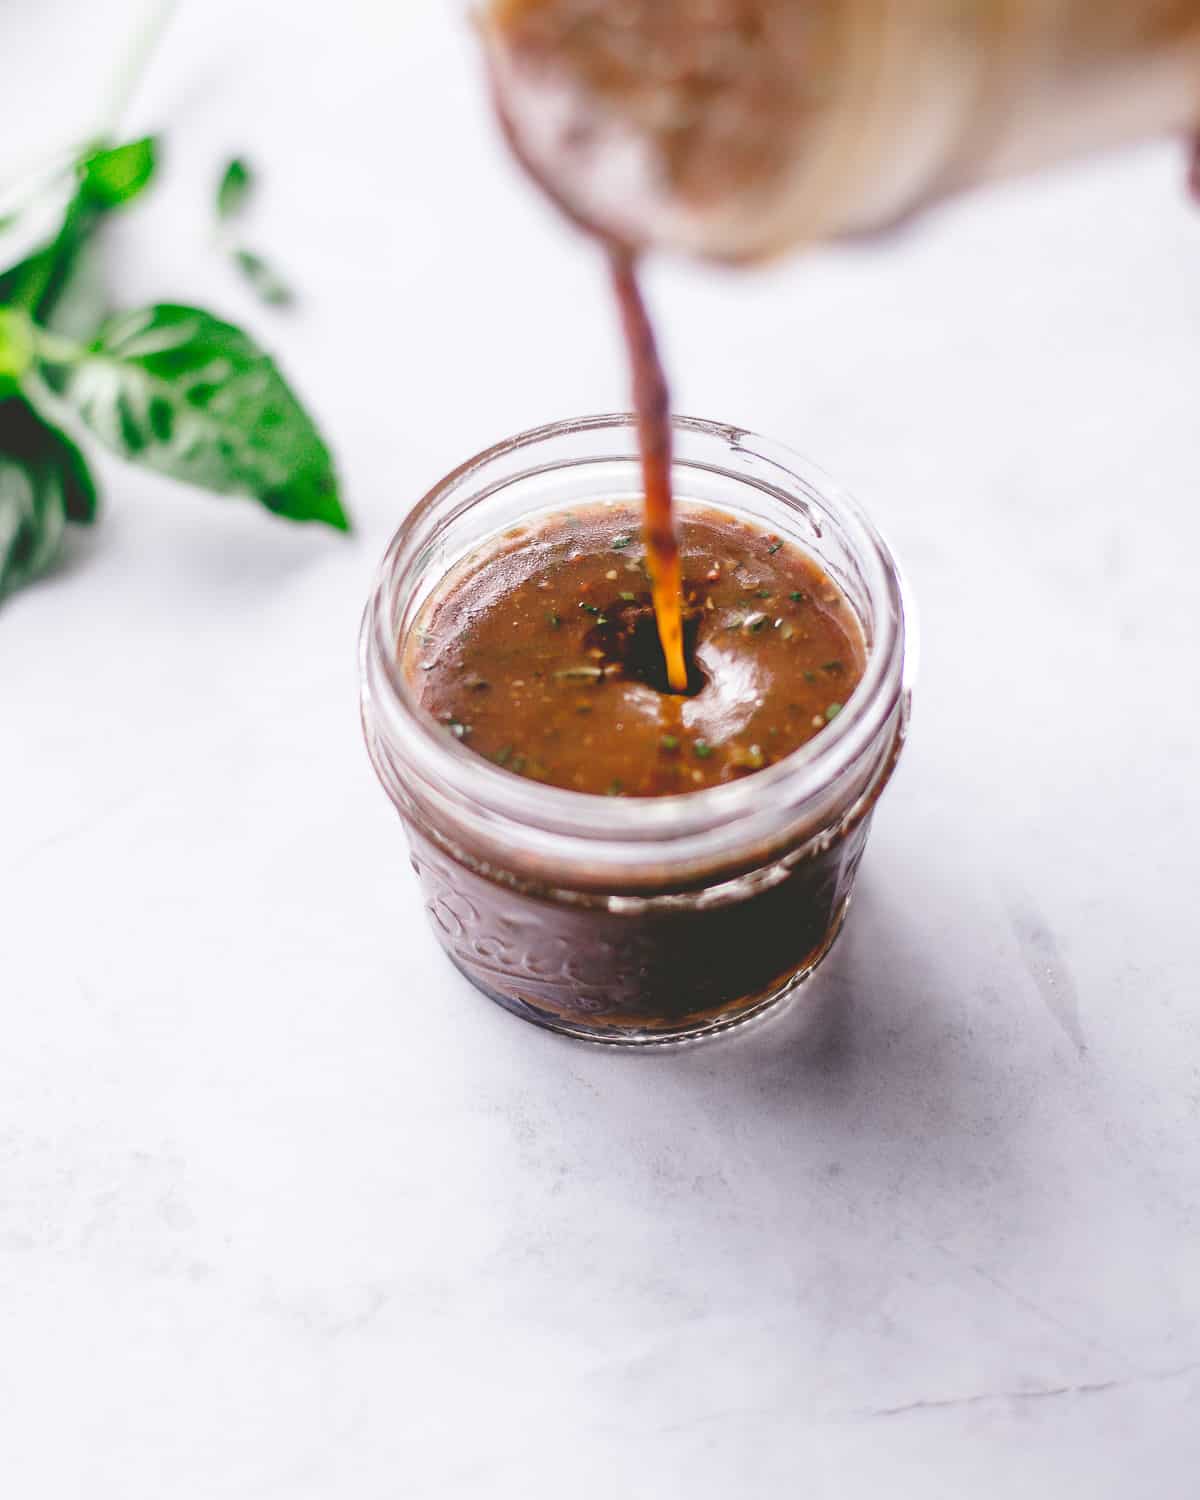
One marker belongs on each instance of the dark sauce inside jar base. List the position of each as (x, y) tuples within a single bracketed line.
[(662, 973)]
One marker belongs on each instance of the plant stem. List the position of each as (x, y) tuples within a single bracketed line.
[(54, 349), (128, 75), (132, 68)]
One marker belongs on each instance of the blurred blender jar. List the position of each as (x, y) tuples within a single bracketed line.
[(738, 129)]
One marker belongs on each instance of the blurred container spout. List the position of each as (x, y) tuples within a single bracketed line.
[(738, 129)]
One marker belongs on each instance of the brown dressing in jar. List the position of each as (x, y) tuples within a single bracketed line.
[(541, 654)]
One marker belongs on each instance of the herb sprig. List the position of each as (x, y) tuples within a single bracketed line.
[(234, 192), (170, 387)]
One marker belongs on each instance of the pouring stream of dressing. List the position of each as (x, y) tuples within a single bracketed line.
[(652, 406)]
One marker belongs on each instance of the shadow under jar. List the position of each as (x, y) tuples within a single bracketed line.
[(648, 919)]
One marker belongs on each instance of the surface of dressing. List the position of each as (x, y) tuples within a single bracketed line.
[(542, 655)]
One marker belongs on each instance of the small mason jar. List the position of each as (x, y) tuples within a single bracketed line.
[(636, 920)]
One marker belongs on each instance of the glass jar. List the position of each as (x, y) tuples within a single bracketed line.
[(636, 920)]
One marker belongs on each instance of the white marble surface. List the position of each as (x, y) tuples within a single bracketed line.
[(286, 1210)]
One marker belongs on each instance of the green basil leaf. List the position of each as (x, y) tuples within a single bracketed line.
[(114, 176), (179, 391), (79, 488), (32, 521), (63, 287), (234, 189), (263, 279), (78, 300), (44, 283), (34, 213), (44, 482), (22, 285), (17, 348)]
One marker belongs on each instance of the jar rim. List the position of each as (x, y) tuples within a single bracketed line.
[(620, 827)]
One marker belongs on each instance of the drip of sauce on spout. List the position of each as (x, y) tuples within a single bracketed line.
[(652, 406)]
